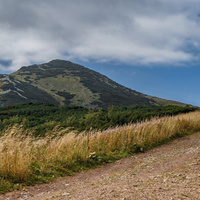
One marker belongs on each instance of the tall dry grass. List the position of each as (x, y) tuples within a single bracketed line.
[(24, 157)]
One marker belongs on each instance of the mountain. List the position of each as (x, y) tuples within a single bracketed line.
[(65, 83)]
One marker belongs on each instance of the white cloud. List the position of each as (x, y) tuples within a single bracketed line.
[(143, 32)]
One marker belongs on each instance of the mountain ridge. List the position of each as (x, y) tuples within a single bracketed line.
[(66, 83)]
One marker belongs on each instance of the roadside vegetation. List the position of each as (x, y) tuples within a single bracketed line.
[(27, 160), (40, 118)]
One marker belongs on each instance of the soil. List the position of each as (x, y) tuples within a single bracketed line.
[(168, 172)]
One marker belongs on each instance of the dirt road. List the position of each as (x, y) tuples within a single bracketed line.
[(171, 171)]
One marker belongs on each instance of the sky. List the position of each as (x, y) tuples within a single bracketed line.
[(152, 46)]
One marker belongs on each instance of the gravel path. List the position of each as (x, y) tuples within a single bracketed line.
[(171, 171)]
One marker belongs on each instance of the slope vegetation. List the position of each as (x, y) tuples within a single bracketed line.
[(66, 83), (170, 171), (25, 160)]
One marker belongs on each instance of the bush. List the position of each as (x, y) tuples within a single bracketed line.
[(43, 117)]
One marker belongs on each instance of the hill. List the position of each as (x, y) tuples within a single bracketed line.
[(65, 83)]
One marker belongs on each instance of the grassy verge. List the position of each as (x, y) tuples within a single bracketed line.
[(40, 118), (25, 160)]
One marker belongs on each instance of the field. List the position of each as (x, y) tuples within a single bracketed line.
[(41, 119), (27, 160)]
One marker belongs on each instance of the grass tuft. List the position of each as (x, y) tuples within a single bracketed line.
[(26, 160)]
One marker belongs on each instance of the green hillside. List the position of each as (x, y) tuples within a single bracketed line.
[(42, 118), (65, 83)]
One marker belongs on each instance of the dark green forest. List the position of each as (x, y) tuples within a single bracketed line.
[(41, 118)]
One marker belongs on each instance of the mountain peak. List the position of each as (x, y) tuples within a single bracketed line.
[(66, 83)]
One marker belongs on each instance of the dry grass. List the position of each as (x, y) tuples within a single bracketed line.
[(24, 157)]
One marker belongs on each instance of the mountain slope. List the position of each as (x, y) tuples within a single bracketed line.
[(13, 91), (66, 83)]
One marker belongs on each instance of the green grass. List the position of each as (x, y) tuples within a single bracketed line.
[(41, 118)]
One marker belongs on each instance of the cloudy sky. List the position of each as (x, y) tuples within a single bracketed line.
[(152, 46)]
